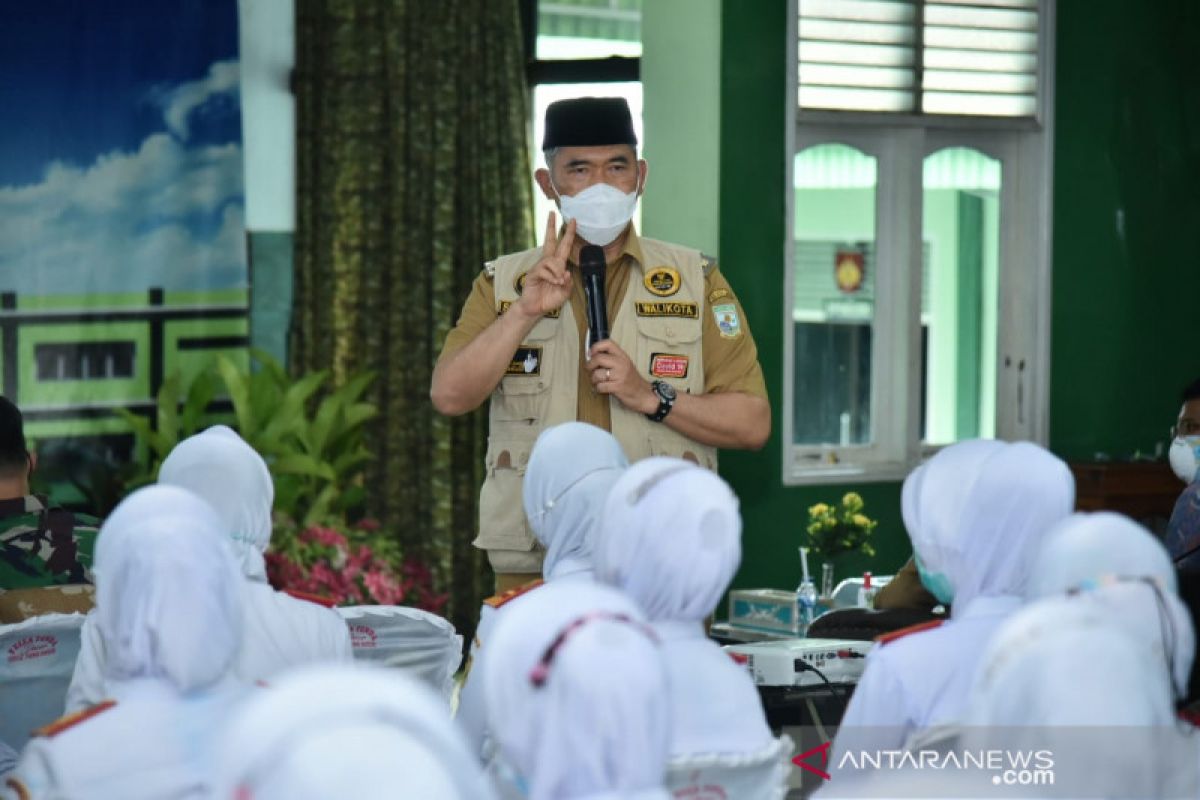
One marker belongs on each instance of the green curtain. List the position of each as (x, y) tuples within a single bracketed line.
[(412, 170)]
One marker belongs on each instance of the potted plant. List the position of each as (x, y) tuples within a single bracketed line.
[(834, 530)]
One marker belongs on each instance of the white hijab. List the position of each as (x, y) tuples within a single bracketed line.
[(570, 471), (670, 538), (977, 511), (1061, 677), (168, 601), (1056, 662), (1109, 562), (219, 466), (346, 731), (598, 725)]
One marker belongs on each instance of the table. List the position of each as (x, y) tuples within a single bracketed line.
[(725, 633)]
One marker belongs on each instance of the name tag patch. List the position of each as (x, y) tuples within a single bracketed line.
[(526, 361), (667, 309), (668, 365), (662, 281), (505, 304), (727, 320)]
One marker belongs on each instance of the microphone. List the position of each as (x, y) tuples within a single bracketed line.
[(592, 267)]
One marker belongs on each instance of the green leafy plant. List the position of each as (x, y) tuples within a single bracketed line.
[(312, 440), (837, 529), (315, 448), (179, 413)]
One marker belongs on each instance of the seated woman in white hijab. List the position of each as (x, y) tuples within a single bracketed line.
[(281, 631), (576, 696), (346, 731), (671, 540), (1064, 700), (976, 513), (1109, 561), (169, 614), (571, 468), (1067, 679)]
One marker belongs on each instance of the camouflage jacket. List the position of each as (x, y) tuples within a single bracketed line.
[(44, 545)]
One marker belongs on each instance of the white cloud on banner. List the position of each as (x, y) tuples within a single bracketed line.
[(167, 215), (179, 103)]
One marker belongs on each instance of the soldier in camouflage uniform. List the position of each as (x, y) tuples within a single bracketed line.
[(40, 544)]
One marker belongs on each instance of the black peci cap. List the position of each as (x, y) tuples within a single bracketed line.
[(588, 122)]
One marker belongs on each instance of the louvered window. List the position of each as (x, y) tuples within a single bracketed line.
[(961, 57)]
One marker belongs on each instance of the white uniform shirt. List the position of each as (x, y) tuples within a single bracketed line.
[(279, 632), (283, 632), (715, 707), (152, 745), (920, 680)]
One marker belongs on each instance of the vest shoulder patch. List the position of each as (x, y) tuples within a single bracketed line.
[(920, 627), (309, 597), (709, 263), (498, 600), (71, 720), (489, 269)]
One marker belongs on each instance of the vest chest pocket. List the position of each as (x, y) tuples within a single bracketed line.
[(530, 370), (669, 349)]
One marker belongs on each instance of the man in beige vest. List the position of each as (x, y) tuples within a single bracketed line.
[(679, 375)]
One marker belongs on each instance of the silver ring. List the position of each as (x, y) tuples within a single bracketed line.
[(608, 374)]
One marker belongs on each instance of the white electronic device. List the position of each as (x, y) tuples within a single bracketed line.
[(796, 662)]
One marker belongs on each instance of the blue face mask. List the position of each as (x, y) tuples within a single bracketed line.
[(937, 584), (510, 779)]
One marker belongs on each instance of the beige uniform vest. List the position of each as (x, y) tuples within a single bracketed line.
[(659, 326)]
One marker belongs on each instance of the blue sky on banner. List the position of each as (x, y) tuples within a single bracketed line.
[(120, 150)]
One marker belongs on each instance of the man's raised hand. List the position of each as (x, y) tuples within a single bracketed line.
[(548, 284)]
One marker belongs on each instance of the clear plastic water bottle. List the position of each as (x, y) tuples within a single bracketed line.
[(806, 597), (806, 606)]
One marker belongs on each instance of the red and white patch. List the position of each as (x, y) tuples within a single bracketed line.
[(695, 790), (668, 365), (32, 647), (362, 637)]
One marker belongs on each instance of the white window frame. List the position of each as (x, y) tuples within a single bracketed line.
[(900, 142)]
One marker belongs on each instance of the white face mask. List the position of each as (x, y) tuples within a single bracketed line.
[(600, 212), (1183, 456)]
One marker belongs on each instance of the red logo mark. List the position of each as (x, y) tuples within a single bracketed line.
[(697, 791), (32, 647), (362, 637), (801, 760)]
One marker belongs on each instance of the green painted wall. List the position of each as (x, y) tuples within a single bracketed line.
[(681, 40), (752, 231), (1123, 323), (1127, 145)]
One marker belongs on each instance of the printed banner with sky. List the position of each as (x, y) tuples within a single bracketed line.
[(120, 151)]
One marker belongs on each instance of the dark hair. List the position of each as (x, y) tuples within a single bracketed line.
[(1191, 391), (14, 458)]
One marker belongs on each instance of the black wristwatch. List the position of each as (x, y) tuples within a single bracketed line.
[(666, 399)]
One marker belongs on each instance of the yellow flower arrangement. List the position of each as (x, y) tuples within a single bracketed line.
[(833, 530)]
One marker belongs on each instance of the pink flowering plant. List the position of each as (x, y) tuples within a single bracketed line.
[(349, 564)]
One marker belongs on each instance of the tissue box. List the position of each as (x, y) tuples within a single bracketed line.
[(771, 610)]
